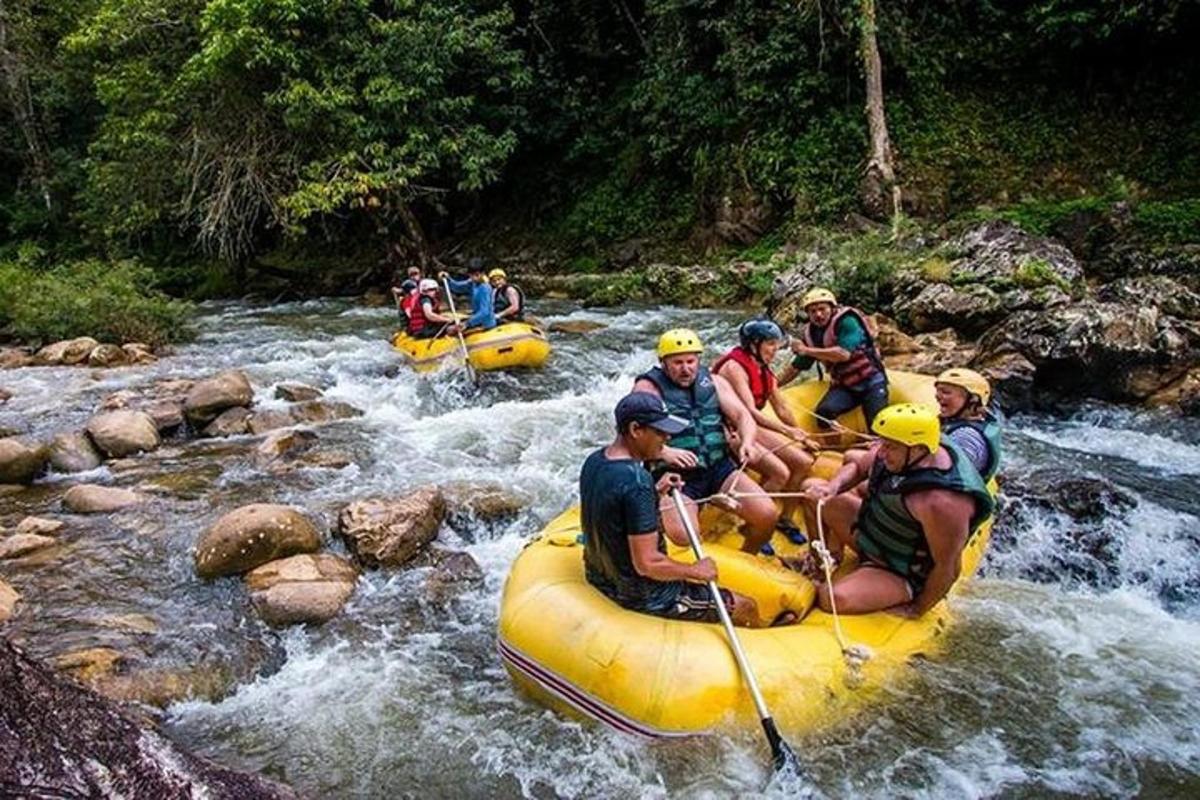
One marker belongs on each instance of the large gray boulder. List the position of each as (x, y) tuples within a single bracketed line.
[(251, 536), (209, 397), (60, 739), (1167, 294), (20, 462), (302, 588), (123, 432), (230, 422), (73, 452), (390, 532), (1103, 350)]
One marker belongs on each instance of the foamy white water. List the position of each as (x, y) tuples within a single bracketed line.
[(1078, 680)]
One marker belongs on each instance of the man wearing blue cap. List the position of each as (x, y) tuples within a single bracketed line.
[(625, 553)]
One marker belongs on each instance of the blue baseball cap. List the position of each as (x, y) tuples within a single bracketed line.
[(648, 409)]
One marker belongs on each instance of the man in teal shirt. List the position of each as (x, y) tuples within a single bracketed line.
[(838, 338)]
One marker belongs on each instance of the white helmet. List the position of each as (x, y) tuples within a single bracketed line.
[(427, 285)]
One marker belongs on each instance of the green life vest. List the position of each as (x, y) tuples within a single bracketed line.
[(989, 428), (890, 536), (699, 404)]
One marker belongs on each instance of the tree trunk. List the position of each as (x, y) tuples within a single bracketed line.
[(17, 91), (880, 189)]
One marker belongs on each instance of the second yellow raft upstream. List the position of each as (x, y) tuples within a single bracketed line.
[(572, 648), (508, 346)]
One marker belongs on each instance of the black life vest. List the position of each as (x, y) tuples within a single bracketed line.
[(500, 302)]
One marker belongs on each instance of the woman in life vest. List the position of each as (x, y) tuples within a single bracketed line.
[(963, 396), (781, 450)]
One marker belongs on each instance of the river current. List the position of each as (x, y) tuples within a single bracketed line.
[(1071, 670)]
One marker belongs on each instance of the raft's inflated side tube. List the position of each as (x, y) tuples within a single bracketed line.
[(572, 648), (508, 346)]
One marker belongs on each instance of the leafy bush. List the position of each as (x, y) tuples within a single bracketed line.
[(1169, 223), (110, 302)]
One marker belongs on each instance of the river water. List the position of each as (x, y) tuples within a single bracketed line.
[(1072, 669)]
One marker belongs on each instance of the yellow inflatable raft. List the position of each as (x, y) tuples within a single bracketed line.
[(573, 649), (507, 346)]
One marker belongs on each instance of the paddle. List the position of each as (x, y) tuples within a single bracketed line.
[(461, 341), (782, 755)]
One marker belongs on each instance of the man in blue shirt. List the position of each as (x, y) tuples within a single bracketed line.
[(625, 553), (483, 316)]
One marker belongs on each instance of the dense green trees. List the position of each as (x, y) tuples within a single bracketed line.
[(172, 129)]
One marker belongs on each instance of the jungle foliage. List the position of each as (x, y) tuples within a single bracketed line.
[(179, 131)]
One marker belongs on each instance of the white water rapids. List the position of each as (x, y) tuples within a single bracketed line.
[(1071, 671)]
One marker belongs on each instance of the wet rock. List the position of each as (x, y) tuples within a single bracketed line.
[(251, 536), (316, 412), (209, 397), (453, 572), (130, 623), (891, 340), (190, 483), (71, 351), (1167, 294), (61, 739), (20, 462), (121, 398), (166, 414), (1083, 498), (124, 432), (933, 353), (296, 392), (334, 459), (73, 452), (22, 544), (89, 664), (107, 355), (579, 326), (1183, 394), (279, 444), (9, 597), (138, 353), (230, 422), (39, 525), (15, 357), (163, 687), (482, 501), (1102, 350), (303, 588), (5, 395), (173, 388), (269, 419), (91, 499), (389, 532)]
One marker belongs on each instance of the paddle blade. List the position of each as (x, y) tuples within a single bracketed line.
[(783, 757)]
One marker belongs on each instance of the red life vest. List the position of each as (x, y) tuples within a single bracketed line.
[(415, 310), (865, 360), (762, 379)]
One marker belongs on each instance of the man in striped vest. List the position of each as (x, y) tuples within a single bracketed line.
[(923, 502)]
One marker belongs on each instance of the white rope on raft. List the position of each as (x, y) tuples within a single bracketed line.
[(855, 654)]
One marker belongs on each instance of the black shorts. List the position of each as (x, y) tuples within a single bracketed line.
[(695, 604), (701, 483)]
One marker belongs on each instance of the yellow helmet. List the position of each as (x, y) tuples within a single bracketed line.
[(679, 340), (497, 273), (818, 295), (910, 424), (968, 379)]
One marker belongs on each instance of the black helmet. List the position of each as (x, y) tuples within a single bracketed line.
[(753, 331), (409, 285)]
